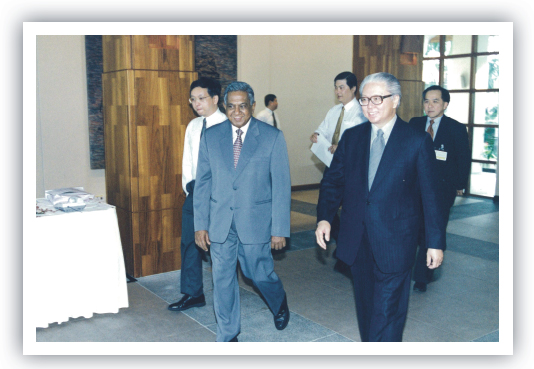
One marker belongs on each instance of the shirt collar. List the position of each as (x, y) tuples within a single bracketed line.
[(436, 120), (211, 120), (387, 128), (244, 128), (350, 104)]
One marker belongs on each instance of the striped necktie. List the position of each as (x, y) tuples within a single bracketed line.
[(238, 144)]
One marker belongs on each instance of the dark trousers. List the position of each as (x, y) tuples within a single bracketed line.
[(381, 298), (336, 223), (191, 272), (421, 273)]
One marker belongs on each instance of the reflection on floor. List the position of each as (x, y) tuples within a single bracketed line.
[(464, 296)]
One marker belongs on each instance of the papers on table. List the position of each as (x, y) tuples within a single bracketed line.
[(320, 149)]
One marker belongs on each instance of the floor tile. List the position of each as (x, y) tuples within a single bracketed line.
[(310, 196), (259, 327)]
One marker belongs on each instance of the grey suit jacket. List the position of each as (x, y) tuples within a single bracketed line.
[(256, 194)]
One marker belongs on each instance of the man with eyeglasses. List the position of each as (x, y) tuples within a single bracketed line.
[(204, 97), (383, 174), (242, 206), (453, 161)]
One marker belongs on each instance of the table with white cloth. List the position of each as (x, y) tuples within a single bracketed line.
[(79, 268)]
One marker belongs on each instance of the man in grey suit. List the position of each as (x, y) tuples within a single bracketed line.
[(242, 204)]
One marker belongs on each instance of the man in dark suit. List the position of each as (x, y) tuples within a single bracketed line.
[(453, 161), (242, 203), (383, 173)]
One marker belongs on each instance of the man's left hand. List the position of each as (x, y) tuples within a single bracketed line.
[(459, 192), (434, 258), (332, 149), (278, 243)]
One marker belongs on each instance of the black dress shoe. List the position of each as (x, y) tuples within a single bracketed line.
[(419, 286), (187, 302), (282, 318), (233, 339)]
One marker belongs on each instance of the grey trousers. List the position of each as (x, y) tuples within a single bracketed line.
[(257, 264)]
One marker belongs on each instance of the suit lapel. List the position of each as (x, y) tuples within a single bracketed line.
[(389, 155), (442, 132), (227, 146), (366, 145), (249, 147)]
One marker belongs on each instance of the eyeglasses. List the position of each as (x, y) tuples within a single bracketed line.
[(200, 99), (376, 100)]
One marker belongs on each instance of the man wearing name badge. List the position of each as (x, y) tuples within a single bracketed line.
[(383, 174), (342, 116), (453, 161), (242, 207), (268, 115), (204, 97)]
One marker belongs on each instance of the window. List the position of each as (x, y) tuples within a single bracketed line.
[(468, 66)]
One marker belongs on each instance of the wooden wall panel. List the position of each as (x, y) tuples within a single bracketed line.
[(146, 113), (172, 53), (117, 53), (117, 138), (373, 54)]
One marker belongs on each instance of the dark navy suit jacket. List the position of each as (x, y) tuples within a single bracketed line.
[(453, 173), (392, 210)]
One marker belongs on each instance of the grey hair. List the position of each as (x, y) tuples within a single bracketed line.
[(392, 83), (239, 86)]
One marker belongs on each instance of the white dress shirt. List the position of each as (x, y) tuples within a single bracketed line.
[(244, 129), (353, 116), (435, 125), (192, 144), (266, 115)]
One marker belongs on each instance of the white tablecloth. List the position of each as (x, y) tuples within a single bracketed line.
[(80, 269)]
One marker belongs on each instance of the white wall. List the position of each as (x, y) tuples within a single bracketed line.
[(62, 118), (300, 71)]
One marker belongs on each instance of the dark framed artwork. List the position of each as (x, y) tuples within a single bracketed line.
[(215, 57), (93, 61)]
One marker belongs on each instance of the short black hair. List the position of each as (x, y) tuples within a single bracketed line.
[(269, 98), (445, 95), (213, 86), (349, 77)]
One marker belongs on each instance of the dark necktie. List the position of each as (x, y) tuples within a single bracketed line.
[(335, 138), (430, 129), (377, 148), (274, 121), (203, 128), (238, 144)]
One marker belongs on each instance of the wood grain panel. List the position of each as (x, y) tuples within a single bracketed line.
[(146, 113), (170, 53), (157, 236), (117, 138), (117, 53), (412, 102)]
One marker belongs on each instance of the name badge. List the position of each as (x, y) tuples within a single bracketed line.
[(441, 155)]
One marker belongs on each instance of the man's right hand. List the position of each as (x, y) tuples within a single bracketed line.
[(323, 232), (202, 239), (313, 137)]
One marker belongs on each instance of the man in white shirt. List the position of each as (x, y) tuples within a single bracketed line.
[(268, 115), (342, 116), (204, 97)]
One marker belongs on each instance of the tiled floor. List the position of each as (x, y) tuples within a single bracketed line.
[(460, 305)]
